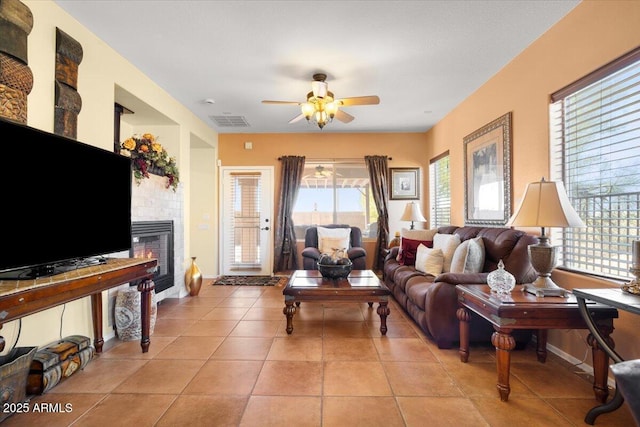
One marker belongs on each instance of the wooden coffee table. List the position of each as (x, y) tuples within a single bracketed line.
[(359, 286), (520, 310)]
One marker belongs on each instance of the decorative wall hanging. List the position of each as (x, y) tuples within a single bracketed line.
[(487, 174), (16, 78), (405, 183), (67, 99), (149, 156)]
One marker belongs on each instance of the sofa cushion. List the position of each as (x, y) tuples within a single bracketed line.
[(468, 257), (408, 249), (404, 273), (417, 289), (333, 238), (429, 260), (448, 244)]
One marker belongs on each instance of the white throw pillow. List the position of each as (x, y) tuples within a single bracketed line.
[(333, 238), (468, 257), (448, 244), (429, 260)]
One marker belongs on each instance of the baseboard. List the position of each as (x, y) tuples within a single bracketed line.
[(577, 363)]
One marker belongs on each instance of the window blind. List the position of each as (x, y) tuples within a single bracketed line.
[(595, 151), (244, 224), (440, 191)]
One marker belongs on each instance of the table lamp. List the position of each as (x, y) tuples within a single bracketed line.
[(412, 213), (545, 204)]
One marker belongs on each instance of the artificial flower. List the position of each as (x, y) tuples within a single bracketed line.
[(149, 156)]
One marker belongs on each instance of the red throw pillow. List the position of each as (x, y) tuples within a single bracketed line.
[(408, 249)]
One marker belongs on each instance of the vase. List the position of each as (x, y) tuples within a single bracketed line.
[(193, 278), (128, 317), (500, 280)]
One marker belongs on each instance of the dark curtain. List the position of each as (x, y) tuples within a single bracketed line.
[(286, 253), (379, 179)]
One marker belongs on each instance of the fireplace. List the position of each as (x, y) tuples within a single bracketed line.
[(154, 239)]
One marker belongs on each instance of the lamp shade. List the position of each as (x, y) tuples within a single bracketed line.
[(545, 204), (412, 213)]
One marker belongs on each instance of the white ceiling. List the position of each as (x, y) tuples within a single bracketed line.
[(422, 58)]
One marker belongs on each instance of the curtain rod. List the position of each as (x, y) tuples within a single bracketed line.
[(343, 160)]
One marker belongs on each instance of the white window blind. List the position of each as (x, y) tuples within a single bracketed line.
[(440, 191), (244, 224), (595, 151)]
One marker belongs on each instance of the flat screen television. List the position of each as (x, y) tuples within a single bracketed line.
[(65, 203)]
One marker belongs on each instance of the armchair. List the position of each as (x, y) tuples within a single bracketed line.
[(311, 252)]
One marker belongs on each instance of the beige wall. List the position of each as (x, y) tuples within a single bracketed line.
[(405, 149), (594, 33), (99, 72)]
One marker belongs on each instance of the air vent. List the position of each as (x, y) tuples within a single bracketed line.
[(230, 121)]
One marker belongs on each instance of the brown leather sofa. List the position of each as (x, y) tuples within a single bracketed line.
[(432, 301)]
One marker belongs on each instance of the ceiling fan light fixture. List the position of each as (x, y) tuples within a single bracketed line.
[(331, 108), (321, 118), (307, 110), (322, 107), (319, 89)]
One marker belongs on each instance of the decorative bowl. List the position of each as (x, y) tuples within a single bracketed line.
[(335, 271)]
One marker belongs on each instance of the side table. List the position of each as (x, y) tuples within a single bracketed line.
[(613, 297), (521, 310)]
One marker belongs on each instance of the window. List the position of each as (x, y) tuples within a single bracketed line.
[(335, 193), (440, 191), (595, 138)]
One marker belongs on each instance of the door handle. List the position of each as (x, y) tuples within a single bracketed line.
[(265, 228)]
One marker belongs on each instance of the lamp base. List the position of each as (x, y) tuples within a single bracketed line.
[(544, 287), (543, 259)]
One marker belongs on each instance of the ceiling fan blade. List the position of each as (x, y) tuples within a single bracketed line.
[(281, 102), (343, 117), (360, 100), (297, 118)]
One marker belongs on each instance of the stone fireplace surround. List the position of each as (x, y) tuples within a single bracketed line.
[(152, 201)]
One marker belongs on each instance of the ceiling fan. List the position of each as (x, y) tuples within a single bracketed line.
[(321, 105)]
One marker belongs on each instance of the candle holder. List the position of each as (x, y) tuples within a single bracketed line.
[(633, 287)]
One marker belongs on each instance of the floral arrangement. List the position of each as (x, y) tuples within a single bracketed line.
[(149, 156)]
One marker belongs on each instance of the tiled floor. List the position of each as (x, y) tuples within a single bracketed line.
[(223, 358)]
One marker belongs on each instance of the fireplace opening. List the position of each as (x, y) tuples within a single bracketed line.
[(154, 239)]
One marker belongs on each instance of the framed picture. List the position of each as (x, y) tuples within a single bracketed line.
[(405, 183), (487, 174)]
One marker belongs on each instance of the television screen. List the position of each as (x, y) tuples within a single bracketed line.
[(62, 200)]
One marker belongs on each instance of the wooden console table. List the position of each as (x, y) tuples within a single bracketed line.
[(614, 297), (521, 310), (19, 298)]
